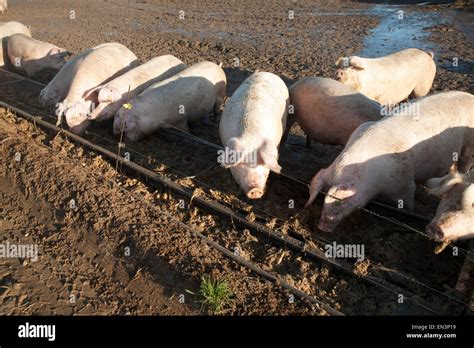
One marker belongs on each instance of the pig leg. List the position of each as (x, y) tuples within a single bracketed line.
[(317, 184), (217, 111), (421, 89), (220, 100), (289, 123)]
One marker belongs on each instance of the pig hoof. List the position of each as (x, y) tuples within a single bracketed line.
[(255, 193)]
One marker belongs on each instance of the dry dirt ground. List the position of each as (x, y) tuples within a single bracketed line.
[(83, 266)]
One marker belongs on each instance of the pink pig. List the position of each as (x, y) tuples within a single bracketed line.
[(252, 126)]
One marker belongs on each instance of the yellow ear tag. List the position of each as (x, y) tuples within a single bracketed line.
[(127, 106)]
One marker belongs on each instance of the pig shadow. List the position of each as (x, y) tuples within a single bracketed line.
[(120, 72), (5, 52), (43, 75), (159, 78)]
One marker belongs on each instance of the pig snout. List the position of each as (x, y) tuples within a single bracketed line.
[(127, 123), (79, 128), (122, 122), (43, 98), (256, 186), (450, 227), (55, 59), (46, 97), (255, 190), (255, 193), (339, 74), (76, 117), (327, 223), (58, 63), (434, 231)]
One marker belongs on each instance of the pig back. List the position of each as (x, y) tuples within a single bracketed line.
[(423, 137), (100, 65), (257, 110), (191, 92), (155, 70), (329, 111)]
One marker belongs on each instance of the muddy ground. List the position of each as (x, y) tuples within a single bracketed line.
[(83, 252)]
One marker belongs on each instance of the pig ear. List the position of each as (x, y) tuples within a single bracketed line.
[(317, 184), (342, 192), (435, 182), (356, 62), (454, 168), (268, 156), (339, 61), (54, 51), (91, 94), (235, 146), (65, 53), (439, 186), (345, 191)]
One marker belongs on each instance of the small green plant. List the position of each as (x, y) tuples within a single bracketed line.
[(214, 294)]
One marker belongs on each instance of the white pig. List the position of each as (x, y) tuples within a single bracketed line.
[(390, 79), (386, 159), (188, 95), (113, 95), (31, 56), (7, 29), (329, 111), (251, 128), (3, 6), (12, 27), (57, 89), (455, 214), (104, 63)]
